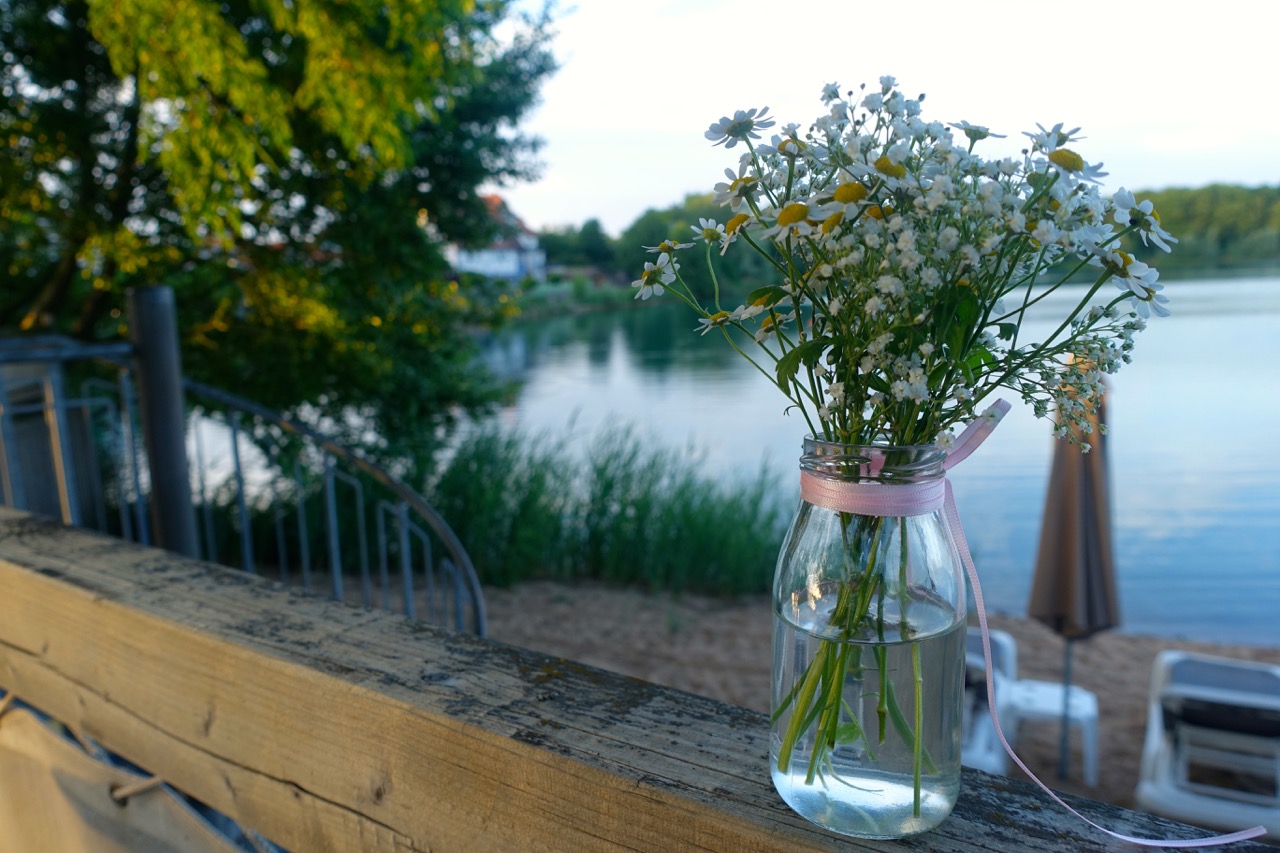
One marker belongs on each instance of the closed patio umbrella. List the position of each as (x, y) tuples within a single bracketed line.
[(1074, 590)]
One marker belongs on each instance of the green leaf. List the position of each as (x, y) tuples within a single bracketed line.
[(766, 297), (978, 356), (807, 353), (849, 732)]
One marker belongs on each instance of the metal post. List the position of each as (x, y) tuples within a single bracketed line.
[(242, 504), (55, 413), (11, 491), (153, 331)]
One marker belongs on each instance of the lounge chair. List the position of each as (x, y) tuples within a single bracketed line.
[(1211, 756)]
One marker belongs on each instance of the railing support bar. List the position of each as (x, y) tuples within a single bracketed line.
[(153, 330)]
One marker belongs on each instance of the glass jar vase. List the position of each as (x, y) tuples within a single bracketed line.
[(868, 643)]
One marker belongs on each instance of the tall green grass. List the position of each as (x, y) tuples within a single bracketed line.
[(618, 509)]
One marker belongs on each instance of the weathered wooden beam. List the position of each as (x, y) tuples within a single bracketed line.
[(328, 727)]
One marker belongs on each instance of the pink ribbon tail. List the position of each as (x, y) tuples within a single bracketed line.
[(918, 498), (953, 518)]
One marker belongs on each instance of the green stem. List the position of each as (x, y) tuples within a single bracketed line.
[(917, 758)]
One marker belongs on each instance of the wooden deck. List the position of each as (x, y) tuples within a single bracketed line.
[(327, 727)]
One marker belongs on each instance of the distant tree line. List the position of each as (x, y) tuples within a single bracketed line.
[(1220, 228)]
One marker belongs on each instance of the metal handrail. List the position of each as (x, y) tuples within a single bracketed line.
[(406, 495), (408, 507)]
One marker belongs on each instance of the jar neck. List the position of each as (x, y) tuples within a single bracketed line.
[(884, 463)]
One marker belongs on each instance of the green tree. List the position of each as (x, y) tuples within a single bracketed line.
[(595, 245), (292, 170), (574, 246)]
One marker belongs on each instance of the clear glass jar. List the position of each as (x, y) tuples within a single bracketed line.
[(868, 644)]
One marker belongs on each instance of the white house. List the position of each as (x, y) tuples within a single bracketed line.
[(514, 254)]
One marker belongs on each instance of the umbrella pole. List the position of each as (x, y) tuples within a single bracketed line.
[(1063, 746)]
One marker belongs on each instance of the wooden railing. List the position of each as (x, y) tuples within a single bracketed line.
[(328, 727)]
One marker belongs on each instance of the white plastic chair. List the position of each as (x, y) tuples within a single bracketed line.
[(1004, 650), (1021, 700), (1211, 756), (981, 747), (1042, 701)]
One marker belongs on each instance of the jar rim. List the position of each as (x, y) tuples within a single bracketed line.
[(878, 446), (876, 461)]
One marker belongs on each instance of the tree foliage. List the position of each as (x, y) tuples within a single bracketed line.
[(573, 246), (290, 169), (1219, 227)]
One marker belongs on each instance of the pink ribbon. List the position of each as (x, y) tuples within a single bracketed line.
[(908, 499)]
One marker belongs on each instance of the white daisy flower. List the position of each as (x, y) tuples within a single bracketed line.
[(655, 276), (741, 187), (709, 231), (744, 124)]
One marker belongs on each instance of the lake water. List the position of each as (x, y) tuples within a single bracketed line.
[(1194, 447)]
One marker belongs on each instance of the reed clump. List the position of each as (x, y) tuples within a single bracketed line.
[(617, 508)]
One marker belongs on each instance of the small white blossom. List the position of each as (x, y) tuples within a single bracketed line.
[(709, 231), (1141, 215), (668, 247), (976, 132), (741, 188), (714, 321), (743, 125)]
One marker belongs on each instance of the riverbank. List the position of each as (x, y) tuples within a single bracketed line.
[(1197, 547), (722, 649)]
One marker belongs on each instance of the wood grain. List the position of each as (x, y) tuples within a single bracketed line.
[(329, 727)]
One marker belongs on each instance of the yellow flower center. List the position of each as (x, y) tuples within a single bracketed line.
[(718, 319), (735, 222), (790, 148), (741, 184), (875, 211), (885, 166), (1065, 158), (851, 192), (832, 222), (1119, 264), (793, 213)]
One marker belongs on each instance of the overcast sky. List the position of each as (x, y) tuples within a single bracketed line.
[(1167, 94)]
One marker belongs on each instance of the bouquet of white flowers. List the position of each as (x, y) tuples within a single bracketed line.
[(906, 266)]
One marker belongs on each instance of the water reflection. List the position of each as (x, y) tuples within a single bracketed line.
[(1195, 464)]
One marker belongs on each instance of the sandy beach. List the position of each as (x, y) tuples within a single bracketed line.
[(722, 650)]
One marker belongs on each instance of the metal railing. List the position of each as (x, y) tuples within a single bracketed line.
[(349, 495), (271, 495)]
